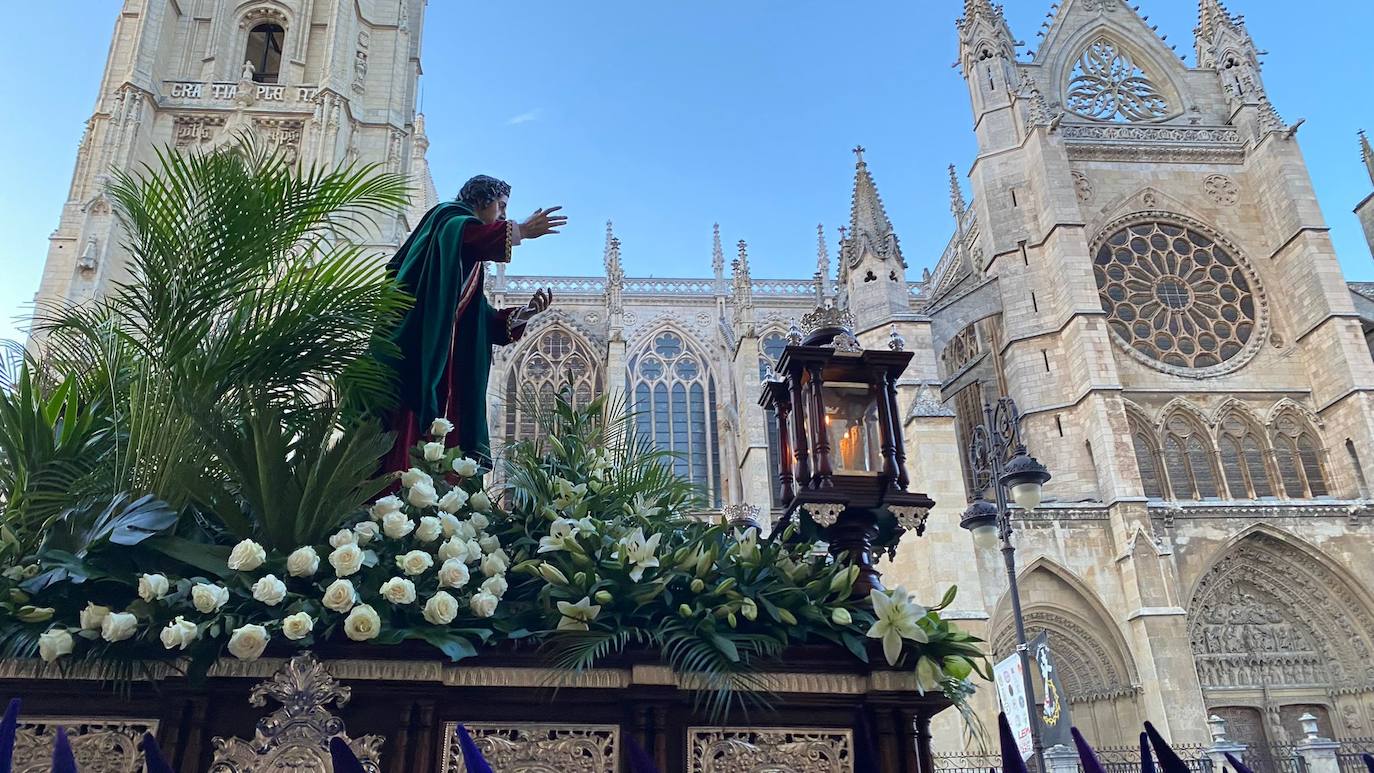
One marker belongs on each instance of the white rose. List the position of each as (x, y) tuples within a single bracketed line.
[(490, 543), (496, 586), (381, 507), (365, 532), (340, 596), (479, 521), (303, 562), (480, 502), (342, 537), (414, 476), (465, 531), (397, 525), (398, 590), (453, 548), (441, 608), (453, 501), (434, 452), (92, 616), (54, 644), (269, 590), (362, 623), (483, 604), (208, 598), (152, 587), (422, 495), (179, 634), (298, 626), (248, 642), (429, 529), (118, 626), (474, 551), (346, 560), (465, 467), (247, 556), (454, 574), (415, 562), (440, 427), (493, 565), (449, 522)]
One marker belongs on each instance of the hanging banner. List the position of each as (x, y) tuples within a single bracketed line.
[(1054, 708), (1011, 691)]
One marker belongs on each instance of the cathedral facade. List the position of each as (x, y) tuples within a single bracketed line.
[(1140, 262)]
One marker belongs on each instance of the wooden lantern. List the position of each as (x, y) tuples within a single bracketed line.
[(842, 465)]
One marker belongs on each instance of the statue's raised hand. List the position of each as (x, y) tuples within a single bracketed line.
[(538, 304), (543, 221)]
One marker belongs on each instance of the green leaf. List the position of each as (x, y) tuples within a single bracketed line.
[(726, 646), (456, 647), (958, 667), (211, 559), (855, 645), (947, 599)]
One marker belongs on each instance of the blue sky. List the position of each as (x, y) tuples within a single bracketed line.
[(668, 117)]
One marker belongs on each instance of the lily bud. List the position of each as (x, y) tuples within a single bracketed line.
[(684, 610), (841, 616), (787, 617), (749, 609), (732, 620), (839, 582), (604, 597), (697, 585), (551, 574), (725, 585)]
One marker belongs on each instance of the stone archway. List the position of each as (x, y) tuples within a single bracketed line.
[(1092, 659), (1274, 625)]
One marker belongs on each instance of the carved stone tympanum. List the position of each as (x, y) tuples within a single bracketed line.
[(296, 736)]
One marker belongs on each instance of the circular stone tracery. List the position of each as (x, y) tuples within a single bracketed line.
[(1177, 296)]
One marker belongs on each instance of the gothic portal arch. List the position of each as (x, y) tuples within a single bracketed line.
[(1091, 656), (1274, 623)]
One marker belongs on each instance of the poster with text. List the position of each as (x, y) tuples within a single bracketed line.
[(1011, 691)]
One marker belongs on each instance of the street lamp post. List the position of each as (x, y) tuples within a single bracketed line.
[(999, 460)]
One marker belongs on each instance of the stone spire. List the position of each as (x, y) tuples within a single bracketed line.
[(1367, 153), (717, 254), (744, 289), (822, 266), (869, 228), (1212, 17), (957, 205), (428, 195), (615, 276)]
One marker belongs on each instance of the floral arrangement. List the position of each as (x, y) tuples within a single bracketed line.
[(587, 551)]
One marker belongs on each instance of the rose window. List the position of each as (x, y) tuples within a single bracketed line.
[(1177, 296)]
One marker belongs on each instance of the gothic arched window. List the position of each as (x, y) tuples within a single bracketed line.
[(1147, 460), (264, 52), (1188, 460), (1298, 453), (770, 349), (554, 358), (674, 398), (1108, 86), (1242, 460)]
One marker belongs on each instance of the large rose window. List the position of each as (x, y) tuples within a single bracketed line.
[(1178, 297)]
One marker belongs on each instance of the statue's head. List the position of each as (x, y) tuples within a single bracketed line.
[(486, 197)]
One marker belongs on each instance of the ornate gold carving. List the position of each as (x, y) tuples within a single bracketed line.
[(775, 750), (827, 317), (912, 519), (100, 745), (537, 748), (823, 514), (296, 736)]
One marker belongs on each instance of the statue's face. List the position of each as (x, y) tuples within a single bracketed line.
[(493, 212)]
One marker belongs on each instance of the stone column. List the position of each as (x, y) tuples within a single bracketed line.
[(1061, 759), (1221, 745), (1318, 753)]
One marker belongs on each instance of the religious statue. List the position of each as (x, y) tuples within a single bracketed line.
[(248, 71), (445, 340)]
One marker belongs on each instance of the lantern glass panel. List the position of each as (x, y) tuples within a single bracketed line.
[(851, 423)]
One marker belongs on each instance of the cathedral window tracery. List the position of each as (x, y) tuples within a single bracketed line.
[(555, 359), (1298, 454), (674, 399), (1147, 459), (1106, 85), (1188, 460), (1178, 297)]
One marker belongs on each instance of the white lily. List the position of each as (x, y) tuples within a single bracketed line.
[(576, 616), (748, 542), (561, 532), (898, 618), (638, 551), (568, 495), (641, 509)]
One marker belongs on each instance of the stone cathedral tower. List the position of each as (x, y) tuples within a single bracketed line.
[(1145, 269), (329, 81)]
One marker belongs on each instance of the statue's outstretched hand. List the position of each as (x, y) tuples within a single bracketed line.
[(539, 303), (542, 222)]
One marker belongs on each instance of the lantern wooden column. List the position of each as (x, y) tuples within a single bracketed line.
[(820, 437), (776, 398), (801, 450)]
